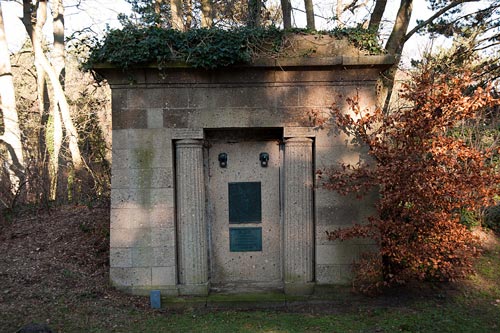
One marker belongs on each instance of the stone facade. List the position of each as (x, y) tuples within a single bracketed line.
[(162, 228)]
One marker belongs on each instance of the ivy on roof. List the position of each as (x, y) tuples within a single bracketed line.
[(204, 48)]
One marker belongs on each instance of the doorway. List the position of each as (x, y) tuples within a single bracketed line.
[(244, 168)]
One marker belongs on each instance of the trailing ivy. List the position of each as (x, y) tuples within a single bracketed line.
[(203, 48), (364, 39)]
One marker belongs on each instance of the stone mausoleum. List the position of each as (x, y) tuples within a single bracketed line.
[(213, 175)]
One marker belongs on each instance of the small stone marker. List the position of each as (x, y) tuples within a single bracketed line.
[(155, 298)]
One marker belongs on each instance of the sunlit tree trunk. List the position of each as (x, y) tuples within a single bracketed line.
[(376, 16), (338, 12), (43, 166), (206, 13), (58, 90), (11, 136), (58, 61), (157, 8), (395, 46), (310, 14), (188, 10), (176, 14), (286, 10)]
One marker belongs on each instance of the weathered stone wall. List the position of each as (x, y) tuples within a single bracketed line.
[(152, 109)]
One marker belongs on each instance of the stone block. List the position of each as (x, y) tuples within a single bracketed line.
[(119, 99), (298, 116), (155, 118), (162, 215), (141, 198), (164, 256), (120, 257), (150, 157), (235, 97), (130, 118), (287, 96), (334, 274), (135, 276), (318, 95), (223, 117), (142, 256), (120, 158), (368, 248), (157, 216), (164, 276), (178, 118), (158, 98), (338, 215), (142, 178), (327, 198), (140, 237), (120, 139), (163, 237), (339, 254), (327, 157), (129, 218), (332, 137), (157, 138)]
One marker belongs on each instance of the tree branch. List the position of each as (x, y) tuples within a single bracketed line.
[(433, 17)]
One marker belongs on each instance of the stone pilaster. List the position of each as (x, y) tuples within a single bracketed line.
[(191, 222), (298, 216)]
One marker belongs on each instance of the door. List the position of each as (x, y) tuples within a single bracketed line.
[(244, 214)]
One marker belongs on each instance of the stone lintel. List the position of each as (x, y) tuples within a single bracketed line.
[(299, 132), (187, 133)]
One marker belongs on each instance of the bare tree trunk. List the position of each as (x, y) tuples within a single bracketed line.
[(157, 7), (310, 14), (376, 16), (176, 14), (206, 13), (43, 171), (11, 137), (58, 91), (394, 46), (254, 8), (188, 11), (286, 9), (58, 61), (338, 11)]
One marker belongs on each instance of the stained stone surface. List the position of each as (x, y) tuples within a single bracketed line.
[(169, 231)]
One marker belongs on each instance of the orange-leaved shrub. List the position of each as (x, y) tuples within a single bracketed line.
[(426, 179)]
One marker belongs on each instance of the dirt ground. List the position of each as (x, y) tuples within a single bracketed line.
[(56, 260)]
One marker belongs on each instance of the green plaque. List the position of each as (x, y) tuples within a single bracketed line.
[(245, 239), (245, 202)]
